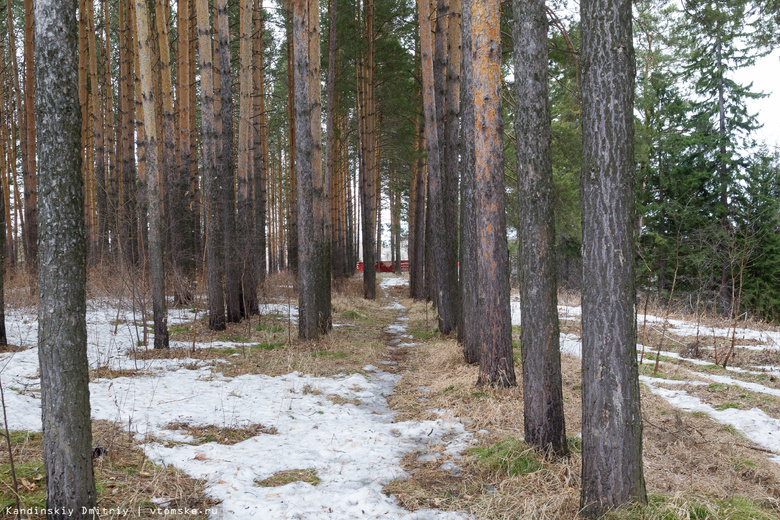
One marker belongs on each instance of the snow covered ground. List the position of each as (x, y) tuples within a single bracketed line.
[(354, 449), (755, 424)]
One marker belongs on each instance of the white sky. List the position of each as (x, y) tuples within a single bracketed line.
[(765, 76)]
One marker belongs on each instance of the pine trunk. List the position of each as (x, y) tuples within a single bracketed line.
[(611, 417), (261, 155), (320, 182), (368, 199), (307, 269), (246, 215), (540, 342), (214, 243), (62, 327), (468, 331), (30, 182), (496, 366), (292, 207), (180, 222), (233, 297), (154, 176)]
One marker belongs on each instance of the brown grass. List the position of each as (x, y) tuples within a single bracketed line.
[(124, 477), (227, 435), (684, 454)]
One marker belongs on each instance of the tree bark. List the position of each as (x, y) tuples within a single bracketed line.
[(433, 163), (611, 417), (30, 182), (495, 328), (307, 270), (244, 225), (261, 155), (233, 297), (62, 326), (543, 417), (154, 176), (368, 199), (214, 238), (469, 323), (292, 207), (182, 229)]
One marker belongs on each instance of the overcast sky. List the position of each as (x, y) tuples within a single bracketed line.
[(765, 76)]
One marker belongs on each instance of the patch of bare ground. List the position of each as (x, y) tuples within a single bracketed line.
[(227, 435), (690, 461), (125, 479), (269, 344), (4, 349)]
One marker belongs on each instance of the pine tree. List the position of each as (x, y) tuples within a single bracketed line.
[(542, 387), (495, 326), (611, 419), (62, 310)]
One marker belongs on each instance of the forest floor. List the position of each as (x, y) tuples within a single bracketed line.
[(381, 418)]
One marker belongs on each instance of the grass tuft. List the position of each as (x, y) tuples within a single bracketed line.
[(510, 456)]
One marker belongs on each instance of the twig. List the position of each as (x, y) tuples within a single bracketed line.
[(10, 455)]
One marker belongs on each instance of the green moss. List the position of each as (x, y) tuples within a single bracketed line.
[(726, 406), (178, 330), (233, 338), (511, 456), (273, 329), (574, 444), (268, 346), (352, 315), (715, 387)]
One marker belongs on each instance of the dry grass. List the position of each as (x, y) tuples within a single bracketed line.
[(227, 435), (124, 477), (690, 462), (282, 478)]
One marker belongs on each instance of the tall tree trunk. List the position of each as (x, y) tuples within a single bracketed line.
[(540, 340), (214, 238), (21, 116), (127, 198), (261, 154), (233, 297), (246, 215), (433, 164), (444, 253), (30, 183), (181, 199), (100, 239), (307, 270), (320, 182), (154, 177), (109, 141), (368, 179), (3, 336), (496, 366), (449, 174), (611, 416), (292, 207), (468, 331), (172, 222), (62, 308), (330, 142)]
